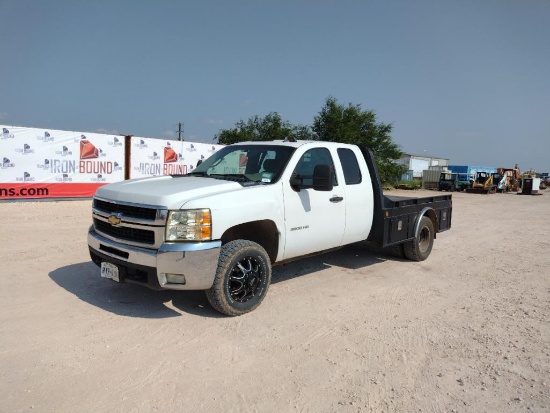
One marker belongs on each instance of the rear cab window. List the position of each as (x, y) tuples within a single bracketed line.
[(352, 172)]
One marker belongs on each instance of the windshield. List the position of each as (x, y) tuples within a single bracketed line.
[(247, 163)]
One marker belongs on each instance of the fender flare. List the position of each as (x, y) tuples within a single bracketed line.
[(430, 213)]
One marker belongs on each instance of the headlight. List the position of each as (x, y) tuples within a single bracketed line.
[(189, 225)]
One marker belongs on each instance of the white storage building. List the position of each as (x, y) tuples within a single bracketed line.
[(419, 163)]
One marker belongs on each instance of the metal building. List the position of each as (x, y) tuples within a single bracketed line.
[(419, 163)]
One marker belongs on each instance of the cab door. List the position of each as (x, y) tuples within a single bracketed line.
[(314, 220)]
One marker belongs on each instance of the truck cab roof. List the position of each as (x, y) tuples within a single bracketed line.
[(296, 144)]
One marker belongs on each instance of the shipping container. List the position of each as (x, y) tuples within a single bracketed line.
[(471, 170)]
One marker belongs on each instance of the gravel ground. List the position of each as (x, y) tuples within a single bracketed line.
[(357, 330)]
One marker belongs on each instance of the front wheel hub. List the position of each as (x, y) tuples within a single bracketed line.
[(246, 277)]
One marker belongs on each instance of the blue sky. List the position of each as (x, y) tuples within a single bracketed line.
[(467, 80)]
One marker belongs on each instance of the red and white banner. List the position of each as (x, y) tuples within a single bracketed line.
[(151, 157), (45, 163)]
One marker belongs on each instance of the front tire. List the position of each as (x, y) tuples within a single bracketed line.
[(242, 278), (420, 247)]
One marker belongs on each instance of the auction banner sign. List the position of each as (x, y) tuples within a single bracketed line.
[(45, 163), (153, 157)]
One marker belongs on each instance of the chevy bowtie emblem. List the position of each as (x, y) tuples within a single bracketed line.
[(114, 220)]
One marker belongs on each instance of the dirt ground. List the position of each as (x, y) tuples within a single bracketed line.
[(357, 330)]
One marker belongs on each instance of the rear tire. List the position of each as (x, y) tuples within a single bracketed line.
[(420, 247), (242, 278)]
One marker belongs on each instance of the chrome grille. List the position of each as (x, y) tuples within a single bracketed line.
[(129, 211), (141, 236)]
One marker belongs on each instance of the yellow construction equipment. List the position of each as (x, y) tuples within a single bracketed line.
[(514, 178), (502, 181), (483, 184)]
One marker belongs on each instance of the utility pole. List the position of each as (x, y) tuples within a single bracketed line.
[(180, 131)]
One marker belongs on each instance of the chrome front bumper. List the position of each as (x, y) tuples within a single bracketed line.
[(197, 262)]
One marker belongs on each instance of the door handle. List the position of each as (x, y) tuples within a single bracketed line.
[(336, 198)]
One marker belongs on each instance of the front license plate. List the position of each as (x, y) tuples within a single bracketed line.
[(109, 270)]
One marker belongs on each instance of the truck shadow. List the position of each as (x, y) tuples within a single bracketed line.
[(353, 257), (83, 280)]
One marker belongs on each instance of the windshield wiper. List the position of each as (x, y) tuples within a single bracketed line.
[(197, 174), (232, 177)]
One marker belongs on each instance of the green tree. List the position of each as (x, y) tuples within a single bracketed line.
[(334, 123), (350, 124), (268, 128), (303, 132)]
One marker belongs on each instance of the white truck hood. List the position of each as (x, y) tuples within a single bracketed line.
[(166, 191)]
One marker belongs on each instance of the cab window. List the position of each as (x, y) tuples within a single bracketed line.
[(352, 172), (310, 159)]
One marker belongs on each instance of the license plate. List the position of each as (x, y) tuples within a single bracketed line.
[(109, 270)]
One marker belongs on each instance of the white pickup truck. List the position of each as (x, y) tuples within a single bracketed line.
[(249, 206)]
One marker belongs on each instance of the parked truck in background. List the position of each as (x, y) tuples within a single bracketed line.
[(449, 181), (248, 207)]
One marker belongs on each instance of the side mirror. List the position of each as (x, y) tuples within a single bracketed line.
[(296, 182), (320, 181), (322, 178)]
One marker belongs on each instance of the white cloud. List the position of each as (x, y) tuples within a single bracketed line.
[(169, 133), (248, 102), (215, 122), (3, 115)]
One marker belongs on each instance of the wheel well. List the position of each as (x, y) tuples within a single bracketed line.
[(430, 213), (264, 233)]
